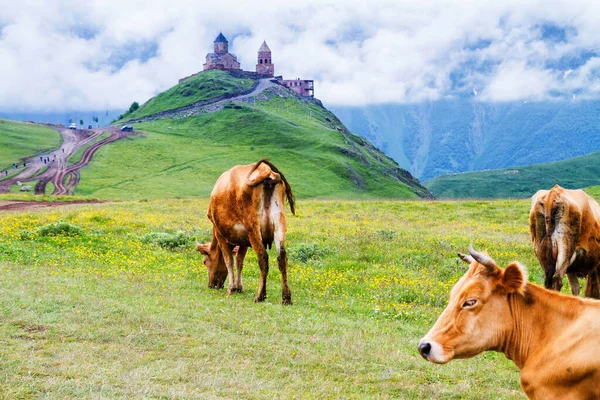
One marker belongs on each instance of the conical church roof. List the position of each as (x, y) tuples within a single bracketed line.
[(264, 47), (221, 39)]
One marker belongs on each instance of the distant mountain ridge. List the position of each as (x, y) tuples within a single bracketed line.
[(461, 135)]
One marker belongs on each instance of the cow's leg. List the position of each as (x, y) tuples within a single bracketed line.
[(286, 293), (565, 238), (566, 255), (227, 251), (592, 285), (574, 282), (239, 265), (263, 263)]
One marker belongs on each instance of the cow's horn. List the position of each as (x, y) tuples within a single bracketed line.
[(483, 259), (466, 258)]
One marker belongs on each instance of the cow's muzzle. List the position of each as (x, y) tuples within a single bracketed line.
[(424, 350)]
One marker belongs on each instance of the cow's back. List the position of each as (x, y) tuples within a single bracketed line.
[(236, 206)]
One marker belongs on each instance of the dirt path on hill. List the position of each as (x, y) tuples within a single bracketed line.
[(54, 167), (211, 105)]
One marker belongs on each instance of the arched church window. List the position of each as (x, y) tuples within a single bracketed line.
[(260, 61)]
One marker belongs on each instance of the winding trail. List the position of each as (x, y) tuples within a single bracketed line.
[(54, 167), (211, 105)]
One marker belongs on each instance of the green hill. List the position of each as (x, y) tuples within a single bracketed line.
[(204, 86), (520, 182), (20, 139), (594, 191), (184, 156)]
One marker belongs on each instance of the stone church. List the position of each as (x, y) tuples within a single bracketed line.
[(222, 59)]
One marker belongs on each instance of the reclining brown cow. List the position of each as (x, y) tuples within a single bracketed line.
[(247, 210), (565, 231), (552, 338)]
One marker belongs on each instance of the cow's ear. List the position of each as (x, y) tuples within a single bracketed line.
[(203, 248), (514, 278)]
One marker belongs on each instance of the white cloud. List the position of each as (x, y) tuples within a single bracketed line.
[(515, 80), (67, 54)]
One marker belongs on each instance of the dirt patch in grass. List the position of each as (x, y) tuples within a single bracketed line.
[(26, 205)]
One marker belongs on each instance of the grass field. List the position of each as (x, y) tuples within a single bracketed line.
[(107, 313), (519, 182), (593, 191), (204, 86), (184, 157), (20, 139)]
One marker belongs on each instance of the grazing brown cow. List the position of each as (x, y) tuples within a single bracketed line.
[(552, 338), (247, 210), (565, 231)]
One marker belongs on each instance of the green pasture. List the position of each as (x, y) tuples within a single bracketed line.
[(110, 301), (20, 139)]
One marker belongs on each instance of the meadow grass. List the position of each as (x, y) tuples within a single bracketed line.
[(105, 313), (20, 139)]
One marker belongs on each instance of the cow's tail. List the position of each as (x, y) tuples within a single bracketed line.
[(550, 267), (288, 189)]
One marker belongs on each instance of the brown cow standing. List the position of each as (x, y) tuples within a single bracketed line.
[(552, 338), (565, 231), (247, 210)]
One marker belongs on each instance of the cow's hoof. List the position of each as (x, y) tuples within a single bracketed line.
[(259, 299), (287, 302), (557, 283), (235, 290)]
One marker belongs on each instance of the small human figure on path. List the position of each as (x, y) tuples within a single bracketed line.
[(63, 150), (40, 158)]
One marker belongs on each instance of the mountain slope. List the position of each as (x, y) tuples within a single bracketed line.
[(203, 86), (519, 182), (20, 139), (183, 156), (460, 135)]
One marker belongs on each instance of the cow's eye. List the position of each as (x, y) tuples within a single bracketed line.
[(469, 303)]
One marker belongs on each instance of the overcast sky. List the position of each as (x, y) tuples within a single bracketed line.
[(70, 54)]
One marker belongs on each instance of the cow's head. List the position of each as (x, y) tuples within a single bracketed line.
[(478, 313), (215, 265)]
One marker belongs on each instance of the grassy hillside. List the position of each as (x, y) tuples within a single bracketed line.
[(184, 157), (20, 139), (204, 86), (519, 182), (593, 191), (109, 314)]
